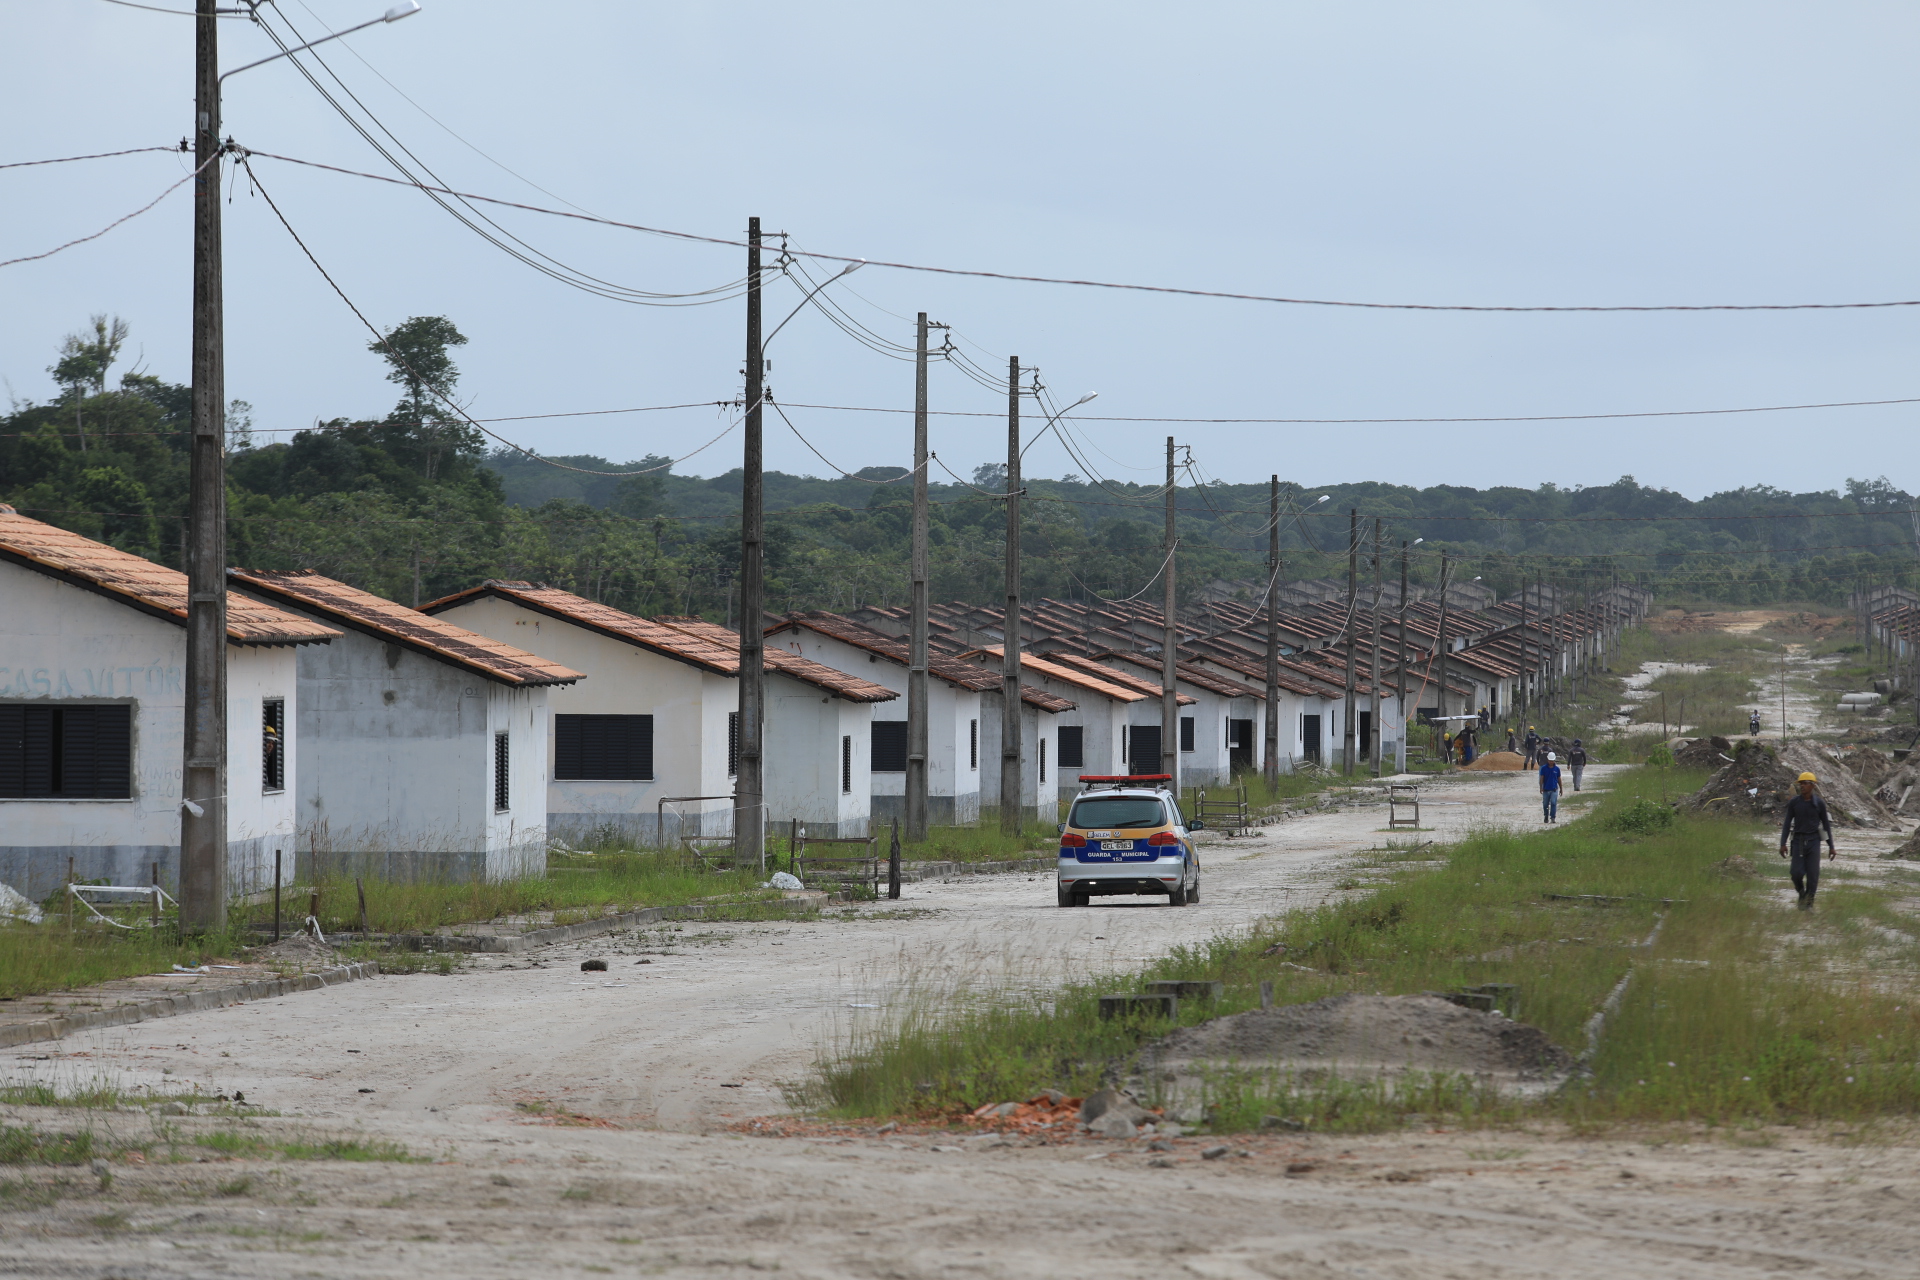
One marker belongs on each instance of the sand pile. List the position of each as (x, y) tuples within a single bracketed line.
[(1357, 1036), (1498, 760), (298, 950), (1760, 781)]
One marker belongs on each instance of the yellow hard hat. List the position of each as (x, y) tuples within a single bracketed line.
[(1807, 777)]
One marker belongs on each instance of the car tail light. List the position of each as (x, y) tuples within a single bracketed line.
[(1068, 840), (1163, 838)]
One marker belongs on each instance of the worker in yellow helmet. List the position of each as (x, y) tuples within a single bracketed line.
[(1806, 818)]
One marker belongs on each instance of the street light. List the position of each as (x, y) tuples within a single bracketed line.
[(841, 274), (1052, 419), (203, 778)]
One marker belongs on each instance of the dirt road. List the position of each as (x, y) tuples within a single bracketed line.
[(581, 1118)]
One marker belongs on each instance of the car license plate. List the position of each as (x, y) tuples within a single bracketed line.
[(1116, 846)]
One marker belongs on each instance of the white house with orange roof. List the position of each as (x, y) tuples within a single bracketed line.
[(648, 748), (93, 651), (425, 744)]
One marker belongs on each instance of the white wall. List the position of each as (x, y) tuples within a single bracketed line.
[(689, 706), (802, 744), (1041, 804), (63, 643)]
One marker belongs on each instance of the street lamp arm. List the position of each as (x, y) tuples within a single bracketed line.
[(399, 11), (849, 269)]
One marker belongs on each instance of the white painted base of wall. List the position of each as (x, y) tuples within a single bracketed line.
[(38, 871)]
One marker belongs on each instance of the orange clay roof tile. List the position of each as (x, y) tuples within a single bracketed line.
[(139, 582), (364, 611)]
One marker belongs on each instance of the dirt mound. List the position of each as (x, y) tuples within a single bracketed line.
[(298, 949), (1498, 760), (1761, 780), (1355, 1033), (1703, 753), (1868, 766), (1908, 852)]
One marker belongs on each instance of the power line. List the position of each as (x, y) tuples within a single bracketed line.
[(1117, 285), (98, 155), (117, 221)]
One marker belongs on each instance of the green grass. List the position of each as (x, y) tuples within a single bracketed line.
[(257, 1145), (1756, 1033), (52, 957)]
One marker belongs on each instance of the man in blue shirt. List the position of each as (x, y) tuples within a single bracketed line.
[(1549, 790)]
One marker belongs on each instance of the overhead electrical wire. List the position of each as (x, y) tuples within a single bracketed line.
[(36, 257), (1127, 287), (98, 155), (519, 249), (907, 475)]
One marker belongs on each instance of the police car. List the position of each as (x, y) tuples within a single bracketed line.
[(1126, 834)]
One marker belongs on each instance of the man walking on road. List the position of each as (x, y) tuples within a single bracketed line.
[(1549, 790), (1806, 819), (1577, 761)]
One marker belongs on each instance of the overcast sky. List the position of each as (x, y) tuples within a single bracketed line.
[(1479, 153)]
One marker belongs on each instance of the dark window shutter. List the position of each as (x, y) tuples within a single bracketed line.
[(1143, 748), (973, 744), (733, 743), (1186, 733), (502, 778), (603, 748), (1072, 746), (113, 765), (13, 752), (889, 746), (846, 765), (273, 745), (77, 741)]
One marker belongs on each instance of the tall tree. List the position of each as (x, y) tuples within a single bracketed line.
[(418, 356)]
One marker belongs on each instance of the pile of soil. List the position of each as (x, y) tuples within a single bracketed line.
[(1357, 1034), (1761, 780), (1870, 767), (1703, 753), (1908, 852), (1498, 760), (299, 950)]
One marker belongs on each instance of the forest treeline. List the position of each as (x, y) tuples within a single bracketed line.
[(414, 505)]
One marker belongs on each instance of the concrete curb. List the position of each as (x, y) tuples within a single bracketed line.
[(190, 1002), (911, 871)]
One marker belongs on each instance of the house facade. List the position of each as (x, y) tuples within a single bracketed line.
[(93, 652), (425, 743), (668, 689)]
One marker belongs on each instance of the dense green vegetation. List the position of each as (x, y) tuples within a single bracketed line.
[(414, 504)]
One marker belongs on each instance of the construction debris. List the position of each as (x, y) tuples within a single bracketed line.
[(1761, 779)]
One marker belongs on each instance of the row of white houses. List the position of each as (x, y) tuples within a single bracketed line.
[(459, 739)]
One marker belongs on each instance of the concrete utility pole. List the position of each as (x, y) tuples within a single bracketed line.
[(1010, 818), (1400, 691), (1272, 769), (749, 791), (1373, 656), (1169, 650), (1353, 604), (916, 802), (1440, 689), (203, 811), (1526, 659)]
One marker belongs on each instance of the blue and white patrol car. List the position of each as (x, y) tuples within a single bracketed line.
[(1126, 834)]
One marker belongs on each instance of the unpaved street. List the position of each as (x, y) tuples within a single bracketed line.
[(579, 1121)]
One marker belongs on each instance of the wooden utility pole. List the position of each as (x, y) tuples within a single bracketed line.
[(203, 811), (1169, 649), (1400, 691), (1353, 604), (1272, 769), (1373, 656), (916, 801), (749, 791), (1010, 816)]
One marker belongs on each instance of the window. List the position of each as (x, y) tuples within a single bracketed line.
[(502, 792), (273, 744), (1043, 759), (973, 744), (1117, 811), (603, 748), (54, 752), (846, 765), (1186, 733), (1072, 746), (733, 744), (889, 746)]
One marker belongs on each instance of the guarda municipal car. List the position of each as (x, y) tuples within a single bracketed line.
[(1127, 835)]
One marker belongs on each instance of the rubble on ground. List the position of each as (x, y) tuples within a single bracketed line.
[(1908, 852), (1712, 754), (1761, 779)]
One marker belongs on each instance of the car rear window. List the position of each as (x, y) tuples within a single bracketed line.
[(1118, 811)]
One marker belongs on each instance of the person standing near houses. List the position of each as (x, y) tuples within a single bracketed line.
[(1468, 740), (1549, 790), (1805, 819), (1577, 761), (1532, 745), (1510, 742)]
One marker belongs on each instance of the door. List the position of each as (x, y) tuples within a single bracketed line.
[(1310, 737), (1143, 748), (1366, 734), (1240, 746)]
